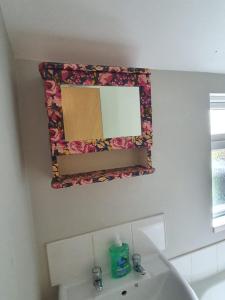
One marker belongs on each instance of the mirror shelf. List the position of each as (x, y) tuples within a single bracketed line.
[(99, 176), (73, 138)]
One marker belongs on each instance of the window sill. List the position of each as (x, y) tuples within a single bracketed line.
[(218, 224)]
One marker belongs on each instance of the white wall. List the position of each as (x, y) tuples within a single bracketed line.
[(18, 270), (180, 186)]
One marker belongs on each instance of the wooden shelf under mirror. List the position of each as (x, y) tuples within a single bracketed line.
[(100, 176), (80, 163), (100, 122)]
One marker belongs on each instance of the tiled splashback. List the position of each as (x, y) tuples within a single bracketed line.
[(202, 263), (72, 259)]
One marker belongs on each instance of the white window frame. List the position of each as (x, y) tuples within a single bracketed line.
[(217, 101)]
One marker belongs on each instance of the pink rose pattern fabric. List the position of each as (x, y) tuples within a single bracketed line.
[(55, 74)]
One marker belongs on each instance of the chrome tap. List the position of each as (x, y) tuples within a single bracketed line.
[(97, 278), (137, 264)]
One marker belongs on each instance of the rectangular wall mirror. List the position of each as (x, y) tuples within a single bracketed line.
[(95, 112)]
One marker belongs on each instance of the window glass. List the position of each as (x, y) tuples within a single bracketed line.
[(217, 117), (217, 127), (218, 176)]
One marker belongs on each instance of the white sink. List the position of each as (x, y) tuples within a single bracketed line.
[(161, 282)]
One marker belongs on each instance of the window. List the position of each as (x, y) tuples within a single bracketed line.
[(217, 121)]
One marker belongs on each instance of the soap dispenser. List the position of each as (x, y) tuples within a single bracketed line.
[(119, 254)]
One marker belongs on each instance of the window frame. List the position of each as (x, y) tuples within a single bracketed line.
[(217, 101)]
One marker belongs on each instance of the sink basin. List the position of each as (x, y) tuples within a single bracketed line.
[(161, 282), (161, 287)]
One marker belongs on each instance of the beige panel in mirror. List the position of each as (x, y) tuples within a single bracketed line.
[(81, 113), (80, 163)]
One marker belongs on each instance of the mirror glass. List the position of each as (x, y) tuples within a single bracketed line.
[(95, 112)]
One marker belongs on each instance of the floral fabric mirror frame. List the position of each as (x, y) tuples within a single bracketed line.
[(56, 74)]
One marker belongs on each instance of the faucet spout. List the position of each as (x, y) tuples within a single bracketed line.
[(98, 285), (140, 269), (97, 278), (137, 264)]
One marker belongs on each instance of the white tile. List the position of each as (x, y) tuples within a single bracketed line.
[(183, 266), (70, 259), (148, 231), (221, 256), (204, 263), (103, 239)]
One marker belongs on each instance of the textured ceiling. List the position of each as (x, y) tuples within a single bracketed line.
[(160, 34)]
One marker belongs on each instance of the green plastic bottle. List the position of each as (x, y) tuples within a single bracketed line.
[(120, 262)]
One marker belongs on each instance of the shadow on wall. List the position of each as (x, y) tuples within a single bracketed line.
[(77, 50), (75, 41), (53, 43)]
